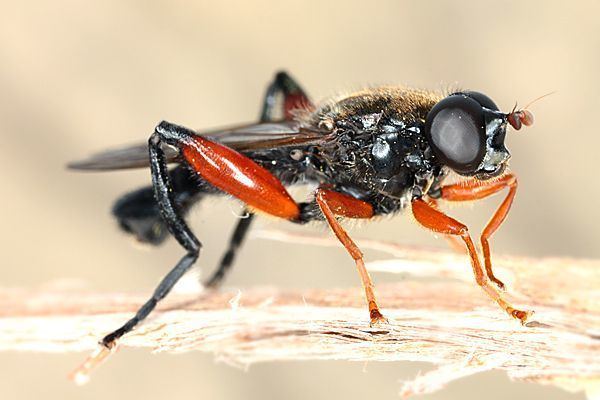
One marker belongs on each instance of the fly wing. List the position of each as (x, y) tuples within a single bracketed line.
[(133, 156), (267, 135), (261, 136)]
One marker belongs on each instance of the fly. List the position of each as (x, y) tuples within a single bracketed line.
[(370, 153)]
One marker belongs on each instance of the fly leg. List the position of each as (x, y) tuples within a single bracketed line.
[(454, 242), (235, 242), (436, 221), (475, 190), (177, 227), (223, 168), (227, 171), (138, 213), (334, 204), (293, 98)]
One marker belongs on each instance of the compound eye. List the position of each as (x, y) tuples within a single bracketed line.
[(455, 129), (483, 100)]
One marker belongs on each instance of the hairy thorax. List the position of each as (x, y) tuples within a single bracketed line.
[(377, 150)]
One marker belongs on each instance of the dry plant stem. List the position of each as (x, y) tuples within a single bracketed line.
[(448, 322)]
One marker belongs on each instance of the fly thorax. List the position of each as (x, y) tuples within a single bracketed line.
[(401, 159)]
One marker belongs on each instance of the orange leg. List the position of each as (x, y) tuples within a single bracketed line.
[(475, 190), (439, 222), (332, 204), (454, 242)]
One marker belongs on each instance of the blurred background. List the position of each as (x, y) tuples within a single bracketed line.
[(77, 77)]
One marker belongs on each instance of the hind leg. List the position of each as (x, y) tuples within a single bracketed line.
[(211, 160), (293, 97), (226, 170), (178, 228), (220, 167), (235, 242)]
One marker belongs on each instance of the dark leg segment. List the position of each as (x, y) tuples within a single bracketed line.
[(293, 97), (213, 162), (235, 242), (202, 155), (177, 227)]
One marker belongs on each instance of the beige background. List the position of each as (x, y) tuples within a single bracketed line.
[(77, 77)]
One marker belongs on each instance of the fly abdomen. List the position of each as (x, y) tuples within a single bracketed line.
[(138, 214)]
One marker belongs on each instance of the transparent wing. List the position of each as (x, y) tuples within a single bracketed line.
[(259, 136), (134, 156)]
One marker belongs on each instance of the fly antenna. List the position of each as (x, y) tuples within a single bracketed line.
[(518, 118), (538, 98)]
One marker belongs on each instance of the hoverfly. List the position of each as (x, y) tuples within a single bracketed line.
[(373, 152)]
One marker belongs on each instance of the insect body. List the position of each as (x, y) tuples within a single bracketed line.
[(373, 152)]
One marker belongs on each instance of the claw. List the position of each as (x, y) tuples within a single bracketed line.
[(377, 319), (522, 316), (81, 375), (498, 283)]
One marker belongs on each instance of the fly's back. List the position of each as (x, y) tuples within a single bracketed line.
[(378, 150)]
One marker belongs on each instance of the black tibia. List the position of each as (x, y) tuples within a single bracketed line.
[(174, 192), (138, 212), (283, 85), (175, 224), (236, 240)]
